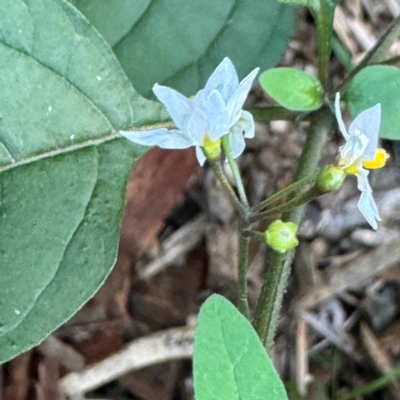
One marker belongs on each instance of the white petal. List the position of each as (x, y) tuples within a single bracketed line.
[(235, 103), (196, 126), (368, 208), (352, 150), (237, 143), (339, 118), (368, 122), (213, 107), (164, 138), (200, 155), (247, 124), (367, 204), (179, 107), (224, 79)]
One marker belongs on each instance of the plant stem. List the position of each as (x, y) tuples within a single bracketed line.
[(236, 173), (323, 14), (283, 192), (342, 53), (375, 55), (303, 198), (216, 167), (244, 242), (269, 303)]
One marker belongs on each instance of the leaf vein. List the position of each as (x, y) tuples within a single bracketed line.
[(133, 27), (73, 233), (219, 33), (68, 149)]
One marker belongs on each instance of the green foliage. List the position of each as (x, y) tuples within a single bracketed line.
[(293, 89), (63, 167), (179, 43), (315, 5), (229, 359), (373, 85)]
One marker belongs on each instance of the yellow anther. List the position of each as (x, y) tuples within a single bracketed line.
[(378, 162)]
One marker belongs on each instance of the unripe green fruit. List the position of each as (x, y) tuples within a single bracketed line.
[(281, 236)]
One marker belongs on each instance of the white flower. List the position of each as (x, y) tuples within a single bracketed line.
[(361, 153), (215, 111)]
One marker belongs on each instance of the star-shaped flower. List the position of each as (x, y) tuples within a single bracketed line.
[(361, 153), (201, 121)]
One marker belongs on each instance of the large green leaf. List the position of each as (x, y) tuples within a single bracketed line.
[(229, 360), (373, 85), (180, 42), (63, 166)]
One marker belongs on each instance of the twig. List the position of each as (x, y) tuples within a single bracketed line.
[(179, 244), (169, 345)]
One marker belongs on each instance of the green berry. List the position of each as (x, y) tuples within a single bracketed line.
[(281, 236)]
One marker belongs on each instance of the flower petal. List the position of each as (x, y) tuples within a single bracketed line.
[(236, 142), (352, 150), (367, 204), (179, 107), (213, 107), (339, 118), (368, 122), (164, 138), (200, 155), (197, 125), (236, 101), (224, 79), (247, 124)]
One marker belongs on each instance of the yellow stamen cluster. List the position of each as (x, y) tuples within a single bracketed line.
[(379, 161)]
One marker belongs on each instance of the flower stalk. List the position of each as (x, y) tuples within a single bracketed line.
[(270, 301)]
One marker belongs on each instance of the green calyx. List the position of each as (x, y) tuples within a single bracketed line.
[(281, 236), (212, 150), (330, 178)]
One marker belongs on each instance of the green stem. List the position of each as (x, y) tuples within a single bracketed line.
[(283, 192), (269, 303), (244, 242), (235, 170), (392, 60), (303, 198), (342, 53), (323, 14), (216, 167), (375, 55)]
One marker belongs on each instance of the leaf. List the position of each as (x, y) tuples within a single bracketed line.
[(229, 359), (63, 166), (315, 5), (293, 89), (373, 85), (179, 43)]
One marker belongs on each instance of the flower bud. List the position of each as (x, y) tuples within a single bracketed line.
[(281, 236), (330, 178)]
